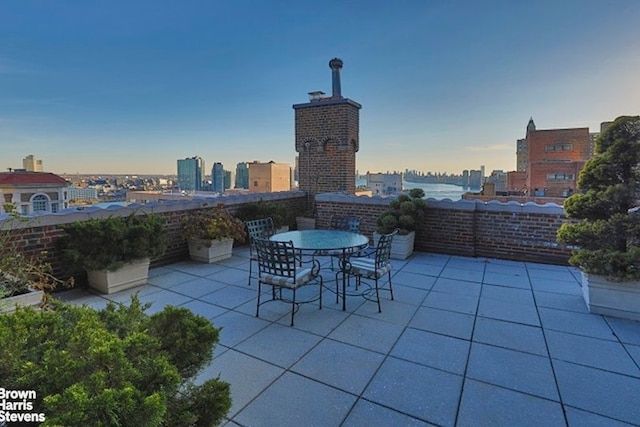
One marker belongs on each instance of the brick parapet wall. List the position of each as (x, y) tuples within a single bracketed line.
[(41, 233), (514, 231)]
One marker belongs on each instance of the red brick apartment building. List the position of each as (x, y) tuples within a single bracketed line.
[(555, 158)]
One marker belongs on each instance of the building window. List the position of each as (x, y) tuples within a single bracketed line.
[(54, 207), (40, 203), (560, 177), (255, 183), (558, 147)]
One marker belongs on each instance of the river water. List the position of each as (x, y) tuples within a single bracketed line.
[(436, 191)]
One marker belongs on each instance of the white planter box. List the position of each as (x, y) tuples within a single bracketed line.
[(401, 246), (127, 276), (30, 299), (609, 298), (210, 251)]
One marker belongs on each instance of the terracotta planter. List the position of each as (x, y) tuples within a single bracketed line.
[(128, 276), (609, 298), (30, 299), (210, 251), (401, 246)]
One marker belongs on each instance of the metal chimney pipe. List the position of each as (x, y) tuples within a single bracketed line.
[(336, 64)]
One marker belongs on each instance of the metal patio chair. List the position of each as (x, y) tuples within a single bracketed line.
[(257, 228)]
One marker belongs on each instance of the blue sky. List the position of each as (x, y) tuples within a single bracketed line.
[(132, 86)]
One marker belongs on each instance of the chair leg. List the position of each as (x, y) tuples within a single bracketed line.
[(293, 306), (378, 297), (321, 285), (250, 263), (390, 287), (258, 305)]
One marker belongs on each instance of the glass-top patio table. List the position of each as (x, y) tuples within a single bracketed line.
[(326, 242)]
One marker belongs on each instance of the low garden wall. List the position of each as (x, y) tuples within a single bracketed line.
[(514, 231), (468, 228)]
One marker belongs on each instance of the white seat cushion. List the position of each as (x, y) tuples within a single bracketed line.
[(303, 275), (366, 267)]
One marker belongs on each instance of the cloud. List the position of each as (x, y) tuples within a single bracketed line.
[(491, 147)]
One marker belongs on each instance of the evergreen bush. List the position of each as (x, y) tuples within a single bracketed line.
[(404, 213), (607, 236), (117, 366)]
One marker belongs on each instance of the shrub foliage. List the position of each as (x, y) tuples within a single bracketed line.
[(404, 213), (607, 237), (118, 366)]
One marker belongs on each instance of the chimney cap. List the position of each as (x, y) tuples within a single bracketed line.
[(316, 95), (335, 63)]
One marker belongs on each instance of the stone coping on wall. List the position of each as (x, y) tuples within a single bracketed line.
[(83, 213), (463, 205)]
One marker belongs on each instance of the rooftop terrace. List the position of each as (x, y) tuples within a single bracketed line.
[(467, 341)]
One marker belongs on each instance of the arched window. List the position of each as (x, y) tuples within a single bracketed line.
[(40, 203)]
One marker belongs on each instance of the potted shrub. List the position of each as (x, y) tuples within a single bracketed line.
[(278, 212), (211, 232), (606, 233), (24, 278), (115, 251), (404, 213)]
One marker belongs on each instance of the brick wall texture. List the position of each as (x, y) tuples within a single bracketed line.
[(326, 140), (506, 231)]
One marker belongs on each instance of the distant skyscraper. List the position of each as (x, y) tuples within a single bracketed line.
[(31, 164), (190, 173), (242, 175), (227, 179), (217, 177)]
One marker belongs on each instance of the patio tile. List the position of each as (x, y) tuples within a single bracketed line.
[(548, 271), (594, 352), (237, 327), (82, 297), (125, 295), (605, 393), (508, 295), (556, 286), (408, 295), (507, 280), (514, 336), (170, 278), (426, 258), (365, 332), (231, 276), (425, 393), (423, 269), (367, 413), (502, 310), (446, 301), (634, 351), (443, 322), (511, 369), (488, 405), (589, 325), (627, 331), (198, 287), (579, 418), (297, 401), (210, 311), (433, 350), (413, 280), (466, 263), (230, 296), (340, 365), (395, 312), (199, 269), (469, 275), (247, 376), (319, 322), (280, 345), (561, 302), (457, 287), (505, 267), (160, 300)]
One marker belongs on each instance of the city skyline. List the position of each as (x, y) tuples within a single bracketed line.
[(121, 88)]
